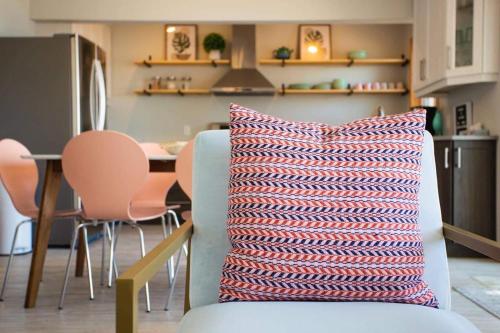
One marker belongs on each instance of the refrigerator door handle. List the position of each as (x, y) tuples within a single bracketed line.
[(97, 96)]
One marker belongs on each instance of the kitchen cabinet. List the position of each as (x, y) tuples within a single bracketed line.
[(456, 43), (466, 174), (420, 46)]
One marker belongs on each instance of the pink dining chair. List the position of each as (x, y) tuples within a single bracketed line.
[(184, 174), (20, 178), (153, 194), (107, 169)]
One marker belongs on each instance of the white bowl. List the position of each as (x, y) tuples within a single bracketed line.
[(175, 147)]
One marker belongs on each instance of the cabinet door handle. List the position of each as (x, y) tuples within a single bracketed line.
[(422, 69), (446, 155), (459, 157), (448, 56)]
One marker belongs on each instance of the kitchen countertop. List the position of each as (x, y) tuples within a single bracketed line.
[(464, 137)]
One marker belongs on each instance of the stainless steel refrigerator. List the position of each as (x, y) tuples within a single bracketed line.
[(51, 89)]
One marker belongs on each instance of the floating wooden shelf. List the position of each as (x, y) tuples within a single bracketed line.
[(346, 61), (316, 91), (385, 91), (203, 62), (287, 91), (180, 92)]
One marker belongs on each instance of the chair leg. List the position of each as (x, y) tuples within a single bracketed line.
[(178, 225), (111, 254), (89, 264), (103, 253), (172, 286), (143, 253), (113, 240), (115, 265), (170, 263), (11, 256), (66, 274)]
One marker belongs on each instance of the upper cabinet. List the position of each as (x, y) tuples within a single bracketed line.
[(455, 43)]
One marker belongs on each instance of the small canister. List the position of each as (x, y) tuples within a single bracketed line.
[(155, 83), (186, 82), (171, 82)]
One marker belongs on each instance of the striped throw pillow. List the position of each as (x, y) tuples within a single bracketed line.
[(324, 213)]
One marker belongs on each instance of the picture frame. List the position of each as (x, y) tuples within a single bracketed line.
[(181, 42), (315, 41), (462, 117)]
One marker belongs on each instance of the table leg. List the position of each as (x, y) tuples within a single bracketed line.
[(80, 255), (50, 191)]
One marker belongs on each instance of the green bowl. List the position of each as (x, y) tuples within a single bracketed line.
[(339, 84), (302, 86), (323, 86), (357, 54)]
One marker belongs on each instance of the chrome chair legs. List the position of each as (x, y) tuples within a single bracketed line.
[(71, 250), (11, 256), (172, 285), (134, 225)]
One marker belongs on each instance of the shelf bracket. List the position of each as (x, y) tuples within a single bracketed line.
[(405, 92), (282, 92), (283, 62), (146, 63), (180, 92), (405, 62), (351, 91), (146, 92), (214, 63), (351, 61)]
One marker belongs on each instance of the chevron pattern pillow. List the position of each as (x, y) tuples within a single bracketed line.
[(323, 213)]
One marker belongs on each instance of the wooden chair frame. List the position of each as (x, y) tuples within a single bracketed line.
[(133, 280)]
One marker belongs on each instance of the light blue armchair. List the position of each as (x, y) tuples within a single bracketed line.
[(209, 245)]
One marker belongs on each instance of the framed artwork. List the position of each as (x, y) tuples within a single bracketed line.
[(462, 117), (315, 41), (181, 42)]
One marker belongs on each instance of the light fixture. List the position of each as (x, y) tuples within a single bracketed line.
[(312, 49), (171, 29)]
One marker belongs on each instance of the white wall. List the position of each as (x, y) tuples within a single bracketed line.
[(486, 109), (162, 118), (15, 21), (216, 11), (14, 18)]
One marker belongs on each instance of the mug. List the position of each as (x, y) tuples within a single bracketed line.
[(391, 85), (376, 85), (358, 86), (367, 86), (400, 85), (383, 86)]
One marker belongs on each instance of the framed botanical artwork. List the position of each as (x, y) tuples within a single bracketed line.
[(315, 41), (180, 42), (462, 117)]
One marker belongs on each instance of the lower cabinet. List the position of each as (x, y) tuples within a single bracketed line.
[(466, 175)]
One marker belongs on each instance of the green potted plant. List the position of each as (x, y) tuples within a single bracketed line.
[(214, 44)]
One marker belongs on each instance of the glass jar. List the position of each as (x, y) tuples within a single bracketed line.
[(155, 82), (186, 82), (171, 82)]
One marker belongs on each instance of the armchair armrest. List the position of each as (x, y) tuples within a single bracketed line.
[(483, 245), (133, 280)]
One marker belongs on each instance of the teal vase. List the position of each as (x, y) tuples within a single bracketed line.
[(437, 123)]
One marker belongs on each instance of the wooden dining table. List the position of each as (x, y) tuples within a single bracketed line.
[(50, 191)]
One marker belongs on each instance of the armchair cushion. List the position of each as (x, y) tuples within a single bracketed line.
[(321, 213), (321, 317)]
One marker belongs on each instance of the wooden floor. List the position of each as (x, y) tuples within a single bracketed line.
[(82, 315)]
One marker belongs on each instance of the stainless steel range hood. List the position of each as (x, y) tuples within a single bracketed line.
[(243, 78)]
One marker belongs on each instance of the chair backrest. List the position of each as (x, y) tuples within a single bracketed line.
[(155, 189), (19, 176), (184, 168), (210, 243), (106, 169)]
